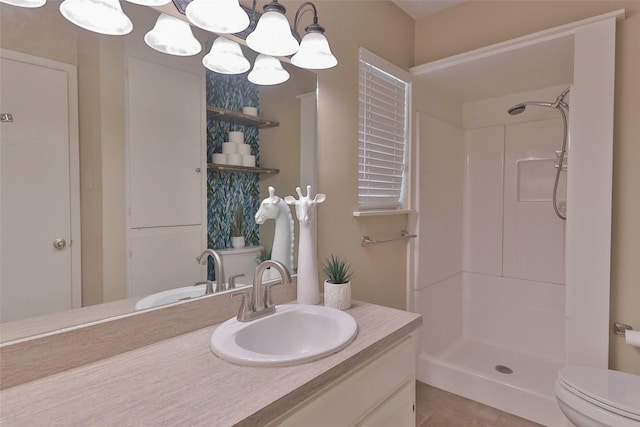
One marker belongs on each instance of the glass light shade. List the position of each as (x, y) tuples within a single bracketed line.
[(173, 36), (267, 70), (314, 53), (25, 3), (150, 2), (218, 16), (272, 35), (225, 57), (100, 16)]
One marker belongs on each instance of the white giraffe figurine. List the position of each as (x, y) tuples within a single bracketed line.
[(308, 286), (273, 207)]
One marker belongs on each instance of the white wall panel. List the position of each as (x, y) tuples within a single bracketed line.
[(484, 150), (440, 201), (589, 195), (516, 314), (533, 234), (441, 307)]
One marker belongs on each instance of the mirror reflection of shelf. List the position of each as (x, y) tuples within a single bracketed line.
[(246, 169), (236, 117)]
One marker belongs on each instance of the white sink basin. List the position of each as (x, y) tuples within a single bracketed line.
[(294, 334), (174, 295)]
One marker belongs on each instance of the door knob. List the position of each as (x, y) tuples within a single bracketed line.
[(59, 243)]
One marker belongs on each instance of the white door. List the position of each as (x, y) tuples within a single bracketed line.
[(167, 172), (35, 203), (165, 146), (164, 258)]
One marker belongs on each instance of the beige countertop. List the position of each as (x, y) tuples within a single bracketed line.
[(63, 319), (179, 381)]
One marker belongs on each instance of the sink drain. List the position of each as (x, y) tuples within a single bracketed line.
[(504, 369)]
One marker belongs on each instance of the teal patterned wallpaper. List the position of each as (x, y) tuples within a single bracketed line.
[(228, 189)]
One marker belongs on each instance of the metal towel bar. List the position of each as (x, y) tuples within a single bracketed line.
[(366, 241), (621, 329)]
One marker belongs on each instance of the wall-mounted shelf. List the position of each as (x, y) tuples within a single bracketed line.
[(221, 114), (245, 169)]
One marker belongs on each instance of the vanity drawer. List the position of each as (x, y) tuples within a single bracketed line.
[(360, 395), (398, 410)]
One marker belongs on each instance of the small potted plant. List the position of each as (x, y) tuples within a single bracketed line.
[(237, 227), (264, 255), (337, 286)]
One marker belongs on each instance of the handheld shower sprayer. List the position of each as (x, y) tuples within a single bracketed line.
[(563, 107), (558, 103)]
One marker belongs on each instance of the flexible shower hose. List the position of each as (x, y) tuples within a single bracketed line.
[(560, 162)]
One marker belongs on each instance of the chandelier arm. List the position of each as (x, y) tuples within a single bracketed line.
[(299, 15), (253, 13)]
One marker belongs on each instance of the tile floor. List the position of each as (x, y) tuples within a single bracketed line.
[(439, 408)]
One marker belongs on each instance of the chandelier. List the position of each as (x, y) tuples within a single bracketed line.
[(268, 34)]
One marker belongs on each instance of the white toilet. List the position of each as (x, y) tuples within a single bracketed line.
[(240, 261), (595, 397)]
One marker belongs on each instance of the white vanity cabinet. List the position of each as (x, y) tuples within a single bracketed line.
[(379, 393), (179, 381)]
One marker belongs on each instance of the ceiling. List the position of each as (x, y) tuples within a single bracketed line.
[(478, 75), (420, 8)]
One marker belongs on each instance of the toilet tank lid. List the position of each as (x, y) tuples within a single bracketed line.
[(244, 250), (619, 391)]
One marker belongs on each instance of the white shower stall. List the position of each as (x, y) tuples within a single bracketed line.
[(509, 292)]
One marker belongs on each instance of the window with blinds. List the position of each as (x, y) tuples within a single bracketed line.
[(383, 134)]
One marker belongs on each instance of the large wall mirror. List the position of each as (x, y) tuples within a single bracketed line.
[(102, 172)]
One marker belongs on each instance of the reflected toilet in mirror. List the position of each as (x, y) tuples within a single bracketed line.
[(240, 263)]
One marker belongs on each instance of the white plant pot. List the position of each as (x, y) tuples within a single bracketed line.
[(237, 242), (337, 295)]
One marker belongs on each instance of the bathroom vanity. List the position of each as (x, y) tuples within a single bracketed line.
[(179, 381)]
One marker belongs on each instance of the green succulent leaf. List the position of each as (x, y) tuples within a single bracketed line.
[(337, 270)]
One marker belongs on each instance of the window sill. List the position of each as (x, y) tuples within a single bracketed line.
[(375, 212)]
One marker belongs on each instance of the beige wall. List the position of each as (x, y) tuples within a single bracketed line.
[(280, 145), (90, 169), (385, 30), (489, 22), (24, 31)]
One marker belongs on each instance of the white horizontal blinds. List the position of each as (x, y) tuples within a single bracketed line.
[(383, 100)]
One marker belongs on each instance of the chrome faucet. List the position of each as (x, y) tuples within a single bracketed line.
[(217, 262), (208, 290), (256, 302)]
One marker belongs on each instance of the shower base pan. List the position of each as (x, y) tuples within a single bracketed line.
[(502, 378)]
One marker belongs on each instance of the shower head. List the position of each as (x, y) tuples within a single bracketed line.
[(559, 103), (517, 109)]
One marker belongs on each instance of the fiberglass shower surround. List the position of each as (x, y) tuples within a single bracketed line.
[(493, 267), (561, 106)]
